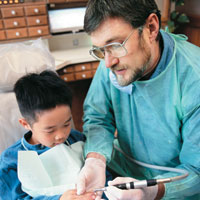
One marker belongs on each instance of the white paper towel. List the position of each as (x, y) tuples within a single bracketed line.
[(52, 172)]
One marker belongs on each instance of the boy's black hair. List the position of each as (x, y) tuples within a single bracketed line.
[(38, 92)]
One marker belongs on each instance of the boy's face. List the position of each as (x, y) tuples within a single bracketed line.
[(52, 127)]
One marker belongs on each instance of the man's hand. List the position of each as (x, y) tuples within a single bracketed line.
[(114, 193), (92, 176)]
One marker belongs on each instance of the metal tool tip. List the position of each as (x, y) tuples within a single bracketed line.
[(100, 189)]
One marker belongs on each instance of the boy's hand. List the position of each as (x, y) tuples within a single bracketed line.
[(71, 195)]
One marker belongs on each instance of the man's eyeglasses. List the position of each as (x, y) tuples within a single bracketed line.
[(114, 49)]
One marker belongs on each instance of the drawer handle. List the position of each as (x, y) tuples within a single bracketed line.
[(65, 78), (39, 31), (36, 10), (65, 70), (13, 12), (83, 67), (37, 21), (17, 34), (83, 75), (15, 23)]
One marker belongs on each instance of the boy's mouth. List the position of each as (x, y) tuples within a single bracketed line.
[(57, 143)]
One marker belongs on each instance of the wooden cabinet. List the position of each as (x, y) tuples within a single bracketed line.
[(56, 1), (64, 1), (79, 77), (2, 35), (77, 0), (1, 24), (79, 71), (23, 21), (29, 19)]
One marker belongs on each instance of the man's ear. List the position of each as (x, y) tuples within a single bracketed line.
[(24, 123), (152, 23)]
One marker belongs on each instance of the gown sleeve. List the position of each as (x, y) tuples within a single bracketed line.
[(99, 123)]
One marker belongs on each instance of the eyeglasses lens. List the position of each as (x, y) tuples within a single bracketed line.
[(116, 50), (98, 53)]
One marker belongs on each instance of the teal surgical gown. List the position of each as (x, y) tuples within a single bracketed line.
[(158, 122)]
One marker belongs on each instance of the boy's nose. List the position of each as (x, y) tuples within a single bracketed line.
[(60, 137)]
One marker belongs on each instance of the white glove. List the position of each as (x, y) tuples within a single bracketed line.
[(114, 193), (91, 176)]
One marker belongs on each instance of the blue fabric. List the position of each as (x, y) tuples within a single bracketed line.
[(10, 187), (113, 79), (167, 54), (158, 123)]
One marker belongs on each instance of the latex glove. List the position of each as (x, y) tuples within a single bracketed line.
[(91, 176), (114, 193)]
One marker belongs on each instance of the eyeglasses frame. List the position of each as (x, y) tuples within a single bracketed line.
[(110, 44)]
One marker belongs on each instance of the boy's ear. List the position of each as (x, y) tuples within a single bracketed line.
[(24, 123)]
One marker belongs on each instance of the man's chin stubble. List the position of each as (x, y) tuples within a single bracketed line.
[(136, 76)]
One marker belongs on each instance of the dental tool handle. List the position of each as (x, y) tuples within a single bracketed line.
[(136, 184)]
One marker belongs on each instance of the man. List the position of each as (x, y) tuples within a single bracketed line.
[(146, 88)]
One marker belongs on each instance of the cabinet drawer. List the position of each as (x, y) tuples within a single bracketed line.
[(82, 67), (68, 70), (56, 1), (35, 10), (38, 31), (15, 22), (16, 33), (2, 35), (94, 71), (68, 77), (1, 24), (38, 20), (83, 75), (12, 12), (77, 1), (95, 65)]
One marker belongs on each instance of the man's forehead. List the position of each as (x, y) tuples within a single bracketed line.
[(110, 30)]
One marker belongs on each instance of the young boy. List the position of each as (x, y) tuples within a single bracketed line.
[(44, 101)]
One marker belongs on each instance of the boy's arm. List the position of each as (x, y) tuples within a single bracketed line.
[(68, 195), (55, 197), (13, 191), (10, 187)]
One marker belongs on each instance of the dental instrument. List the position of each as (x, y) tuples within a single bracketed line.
[(148, 182)]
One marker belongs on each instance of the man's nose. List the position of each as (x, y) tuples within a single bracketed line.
[(110, 60)]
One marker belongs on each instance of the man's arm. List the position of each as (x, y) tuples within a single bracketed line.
[(99, 121), (96, 155), (99, 129)]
